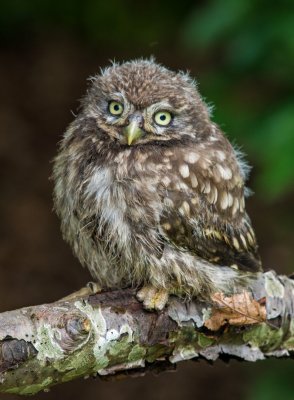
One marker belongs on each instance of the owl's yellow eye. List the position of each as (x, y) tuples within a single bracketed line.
[(115, 108), (162, 118)]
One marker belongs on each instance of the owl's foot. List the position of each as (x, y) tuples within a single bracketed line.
[(90, 288), (153, 298)]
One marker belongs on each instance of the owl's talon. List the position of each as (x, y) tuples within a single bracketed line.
[(153, 298), (93, 287), (90, 289)]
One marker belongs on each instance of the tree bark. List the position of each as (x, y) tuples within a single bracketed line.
[(110, 333)]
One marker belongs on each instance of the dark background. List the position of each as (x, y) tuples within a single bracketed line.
[(241, 53)]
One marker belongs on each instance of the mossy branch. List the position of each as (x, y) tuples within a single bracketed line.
[(110, 333)]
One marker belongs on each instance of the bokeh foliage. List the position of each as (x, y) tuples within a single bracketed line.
[(274, 382), (247, 48)]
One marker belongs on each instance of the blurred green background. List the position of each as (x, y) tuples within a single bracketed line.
[(241, 53)]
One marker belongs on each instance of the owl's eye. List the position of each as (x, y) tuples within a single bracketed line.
[(162, 118), (115, 108)]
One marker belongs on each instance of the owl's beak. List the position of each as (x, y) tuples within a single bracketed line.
[(133, 132)]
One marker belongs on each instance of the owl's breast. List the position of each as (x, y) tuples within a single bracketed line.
[(125, 205)]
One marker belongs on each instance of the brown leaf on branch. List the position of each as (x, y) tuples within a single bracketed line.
[(239, 309)]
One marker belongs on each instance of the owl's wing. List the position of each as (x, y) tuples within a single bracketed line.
[(204, 210)]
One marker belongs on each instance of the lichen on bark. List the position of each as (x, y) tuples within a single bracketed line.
[(110, 333)]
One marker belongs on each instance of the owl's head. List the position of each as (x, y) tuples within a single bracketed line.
[(140, 102)]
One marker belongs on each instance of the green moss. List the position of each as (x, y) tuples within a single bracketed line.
[(156, 352), (78, 364), (102, 363), (204, 341), (289, 343), (31, 389), (185, 336), (137, 353), (265, 337), (119, 349)]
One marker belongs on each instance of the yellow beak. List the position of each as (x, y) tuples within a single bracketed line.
[(133, 132)]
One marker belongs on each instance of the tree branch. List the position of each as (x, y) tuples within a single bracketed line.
[(110, 332)]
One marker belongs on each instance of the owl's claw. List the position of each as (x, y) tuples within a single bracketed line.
[(93, 287), (89, 289), (153, 298)]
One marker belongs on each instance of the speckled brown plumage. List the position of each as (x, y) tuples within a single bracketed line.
[(166, 210)]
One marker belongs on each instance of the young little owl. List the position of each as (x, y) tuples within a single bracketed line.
[(149, 191)]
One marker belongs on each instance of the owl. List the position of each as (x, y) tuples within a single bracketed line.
[(150, 192)]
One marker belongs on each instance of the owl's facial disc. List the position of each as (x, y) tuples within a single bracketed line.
[(133, 123)]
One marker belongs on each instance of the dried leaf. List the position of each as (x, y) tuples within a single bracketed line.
[(239, 309)]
